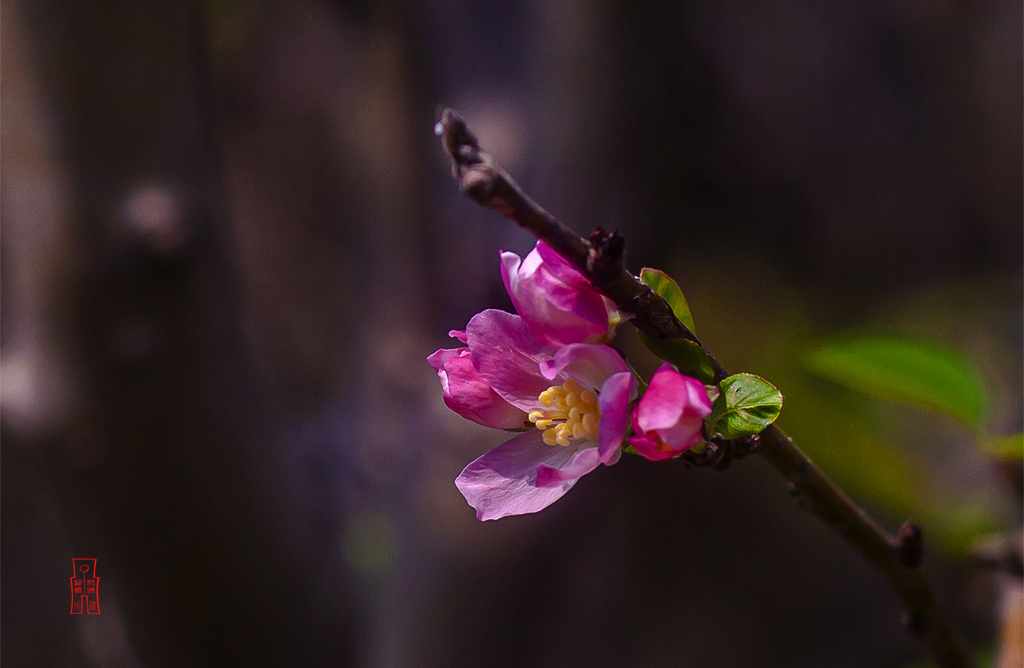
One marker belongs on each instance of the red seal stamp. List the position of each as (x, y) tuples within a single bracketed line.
[(85, 587)]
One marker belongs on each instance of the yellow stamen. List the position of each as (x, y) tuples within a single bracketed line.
[(570, 413)]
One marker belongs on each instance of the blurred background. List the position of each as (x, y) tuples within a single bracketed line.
[(230, 238)]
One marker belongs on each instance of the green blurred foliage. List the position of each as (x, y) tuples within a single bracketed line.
[(983, 658), (1003, 447), (916, 372), (890, 457)]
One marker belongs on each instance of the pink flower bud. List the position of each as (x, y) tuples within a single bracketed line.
[(668, 418), (556, 301)]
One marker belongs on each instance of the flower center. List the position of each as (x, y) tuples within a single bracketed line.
[(570, 412)]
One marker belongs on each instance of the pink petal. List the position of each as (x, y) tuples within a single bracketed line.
[(650, 448), (669, 417), (510, 264), (558, 266), (503, 481), (646, 444), (664, 401), (508, 357), (557, 302), (614, 403), (587, 363), (564, 271), (684, 435), (466, 393), (697, 400), (583, 462)]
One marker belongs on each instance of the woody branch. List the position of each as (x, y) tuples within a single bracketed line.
[(601, 261)]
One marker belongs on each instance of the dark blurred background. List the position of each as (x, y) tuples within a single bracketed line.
[(230, 239)]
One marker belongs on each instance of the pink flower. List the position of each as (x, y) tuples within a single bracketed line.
[(668, 418), (558, 303), (577, 398), (469, 395)]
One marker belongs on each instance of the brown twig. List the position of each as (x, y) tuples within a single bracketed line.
[(601, 260), (487, 184)]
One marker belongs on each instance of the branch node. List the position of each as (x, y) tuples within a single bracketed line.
[(605, 258), (746, 445), (468, 154), (909, 545), (478, 184), (724, 461), (638, 303)]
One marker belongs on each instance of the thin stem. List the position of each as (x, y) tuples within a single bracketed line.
[(601, 261), (486, 183)]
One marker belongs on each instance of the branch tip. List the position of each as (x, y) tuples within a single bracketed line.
[(601, 261)]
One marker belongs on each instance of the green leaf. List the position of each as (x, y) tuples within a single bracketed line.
[(911, 371), (663, 284), (1003, 447), (747, 405), (687, 356)]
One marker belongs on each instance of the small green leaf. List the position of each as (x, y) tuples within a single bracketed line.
[(689, 358), (1003, 447), (911, 371), (663, 284), (747, 405)]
